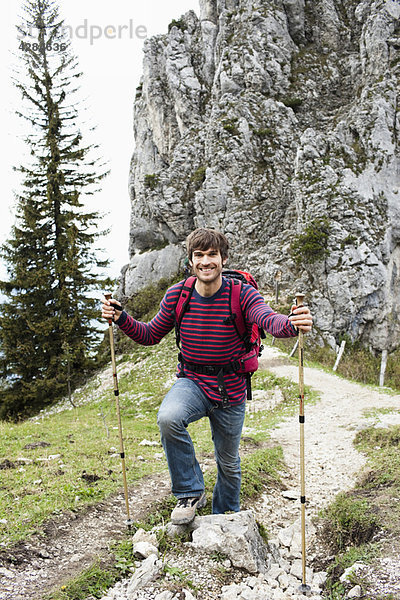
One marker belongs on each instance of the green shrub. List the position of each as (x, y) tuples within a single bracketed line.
[(230, 125), (199, 176), (311, 245), (151, 180), (180, 24), (293, 103)]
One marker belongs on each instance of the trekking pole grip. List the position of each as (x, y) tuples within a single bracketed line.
[(300, 299), (107, 296)]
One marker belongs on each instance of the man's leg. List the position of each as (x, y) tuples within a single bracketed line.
[(226, 427), (184, 403)]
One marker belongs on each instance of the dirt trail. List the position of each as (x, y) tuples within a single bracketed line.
[(330, 426), (331, 465)]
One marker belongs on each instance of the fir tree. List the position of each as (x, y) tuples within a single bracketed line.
[(47, 325)]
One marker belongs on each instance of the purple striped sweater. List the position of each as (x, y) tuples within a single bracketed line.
[(205, 338)]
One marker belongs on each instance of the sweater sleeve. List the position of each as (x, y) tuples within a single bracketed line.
[(149, 334), (257, 311)]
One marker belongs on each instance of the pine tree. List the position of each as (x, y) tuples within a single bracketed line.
[(47, 330)]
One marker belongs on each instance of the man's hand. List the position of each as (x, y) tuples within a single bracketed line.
[(301, 318), (109, 310)]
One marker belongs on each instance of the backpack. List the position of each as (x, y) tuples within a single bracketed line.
[(247, 363)]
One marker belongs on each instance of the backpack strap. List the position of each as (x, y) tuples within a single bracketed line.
[(182, 305), (236, 312)]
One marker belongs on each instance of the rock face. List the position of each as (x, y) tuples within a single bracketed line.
[(277, 121)]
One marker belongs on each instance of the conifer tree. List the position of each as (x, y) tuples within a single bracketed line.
[(47, 330)]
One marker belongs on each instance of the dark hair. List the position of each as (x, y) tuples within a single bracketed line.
[(204, 239)]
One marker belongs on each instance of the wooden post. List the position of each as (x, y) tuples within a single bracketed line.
[(339, 356), (278, 277), (383, 368), (294, 348)]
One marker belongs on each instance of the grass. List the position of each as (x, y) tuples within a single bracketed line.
[(382, 448), (71, 460), (93, 583), (351, 521)]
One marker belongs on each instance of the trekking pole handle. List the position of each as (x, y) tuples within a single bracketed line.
[(300, 299), (108, 296)]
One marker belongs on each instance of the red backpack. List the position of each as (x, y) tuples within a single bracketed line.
[(247, 363)]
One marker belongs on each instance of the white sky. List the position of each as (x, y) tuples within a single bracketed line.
[(111, 71)]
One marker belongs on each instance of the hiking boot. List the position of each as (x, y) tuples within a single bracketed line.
[(185, 511)]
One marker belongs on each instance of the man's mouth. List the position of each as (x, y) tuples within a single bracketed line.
[(206, 269)]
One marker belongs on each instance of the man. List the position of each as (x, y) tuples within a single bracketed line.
[(208, 337)]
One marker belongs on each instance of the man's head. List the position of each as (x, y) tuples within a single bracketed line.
[(207, 239)]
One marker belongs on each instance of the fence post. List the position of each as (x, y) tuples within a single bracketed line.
[(383, 368), (339, 356)]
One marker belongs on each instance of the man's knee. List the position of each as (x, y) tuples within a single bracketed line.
[(229, 466), (169, 422)]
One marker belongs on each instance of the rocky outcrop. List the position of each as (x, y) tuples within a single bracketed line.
[(277, 121), (275, 568)]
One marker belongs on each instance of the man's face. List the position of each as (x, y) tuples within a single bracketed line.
[(207, 265)]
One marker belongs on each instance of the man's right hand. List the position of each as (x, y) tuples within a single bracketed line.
[(109, 311)]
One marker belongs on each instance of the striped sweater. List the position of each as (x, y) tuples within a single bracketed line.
[(205, 337)]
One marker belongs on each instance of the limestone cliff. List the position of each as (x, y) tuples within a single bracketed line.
[(277, 122)]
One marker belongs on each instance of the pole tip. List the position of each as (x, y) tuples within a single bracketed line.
[(304, 589)]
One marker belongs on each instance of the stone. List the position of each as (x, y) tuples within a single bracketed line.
[(355, 592), (7, 573), (235, 535), (319, 579), (356, 568), (297, 571), (141, 535), (166, 595), (144, 549), (148, 571), (188, 594)]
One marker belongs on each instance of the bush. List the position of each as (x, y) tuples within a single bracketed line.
[(151, 181), (199, 176), (311, 245), (180, 24)]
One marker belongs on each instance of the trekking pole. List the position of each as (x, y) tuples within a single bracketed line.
[(116, 393), (304, 588)]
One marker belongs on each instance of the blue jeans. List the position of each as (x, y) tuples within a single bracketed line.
[(185, 403)]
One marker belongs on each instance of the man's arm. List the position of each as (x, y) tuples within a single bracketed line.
[(257, 311), (146, 334)]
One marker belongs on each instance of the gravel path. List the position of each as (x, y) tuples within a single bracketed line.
[(331, 459)]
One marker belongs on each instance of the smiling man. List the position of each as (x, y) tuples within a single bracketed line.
[(208, 339)]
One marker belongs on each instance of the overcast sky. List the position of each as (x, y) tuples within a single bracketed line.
[(107, 38)]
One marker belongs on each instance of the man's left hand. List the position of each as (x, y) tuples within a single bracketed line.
[(301, 318)]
